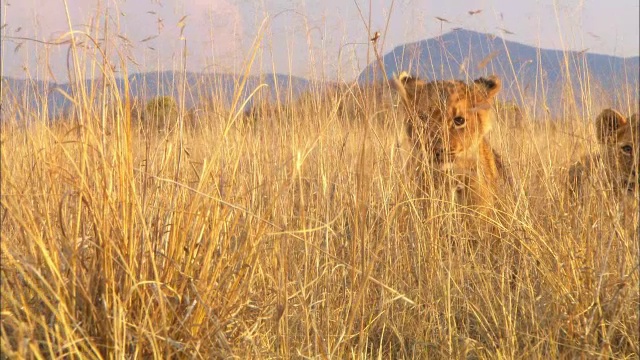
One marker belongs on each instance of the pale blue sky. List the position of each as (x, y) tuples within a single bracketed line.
[(306, 38)]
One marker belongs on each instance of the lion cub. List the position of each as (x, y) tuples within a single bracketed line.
[(447, 126), (619, 138)]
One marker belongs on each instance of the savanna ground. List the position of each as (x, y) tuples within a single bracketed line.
[(301, 235)]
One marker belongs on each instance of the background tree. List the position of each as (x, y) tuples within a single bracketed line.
[(160, 112)]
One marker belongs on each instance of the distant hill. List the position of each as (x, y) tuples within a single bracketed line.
[(200, 87), (527, 72)]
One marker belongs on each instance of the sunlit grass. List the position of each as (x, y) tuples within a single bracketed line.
[(299, 234)]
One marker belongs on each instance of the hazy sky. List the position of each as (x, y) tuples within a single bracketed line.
[(306, 38)]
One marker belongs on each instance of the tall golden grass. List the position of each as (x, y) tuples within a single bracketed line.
[(299, 235)]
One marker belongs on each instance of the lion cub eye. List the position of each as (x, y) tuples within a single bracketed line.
[(459, 121), (627, 149)]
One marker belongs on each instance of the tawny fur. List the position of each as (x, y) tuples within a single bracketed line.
[(448, 122), (619, 138)]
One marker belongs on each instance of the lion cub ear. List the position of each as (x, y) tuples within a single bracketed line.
[(607, 125), (407, 86), (485, 89)]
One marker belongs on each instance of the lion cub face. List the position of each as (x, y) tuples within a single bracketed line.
[(620, 139), (447, 119), (447, 124)]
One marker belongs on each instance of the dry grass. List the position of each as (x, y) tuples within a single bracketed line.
[(300, 237)]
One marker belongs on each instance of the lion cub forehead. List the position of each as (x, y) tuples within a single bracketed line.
[(634, 125), (448, 88), (631, 130), (444, 94)]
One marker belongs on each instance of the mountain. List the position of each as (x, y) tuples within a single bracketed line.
[(529, 74), (34, 95)]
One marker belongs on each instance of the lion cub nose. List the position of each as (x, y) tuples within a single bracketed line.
[(438, 154)]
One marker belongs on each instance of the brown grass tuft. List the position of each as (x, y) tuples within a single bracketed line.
[(301, 238)]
